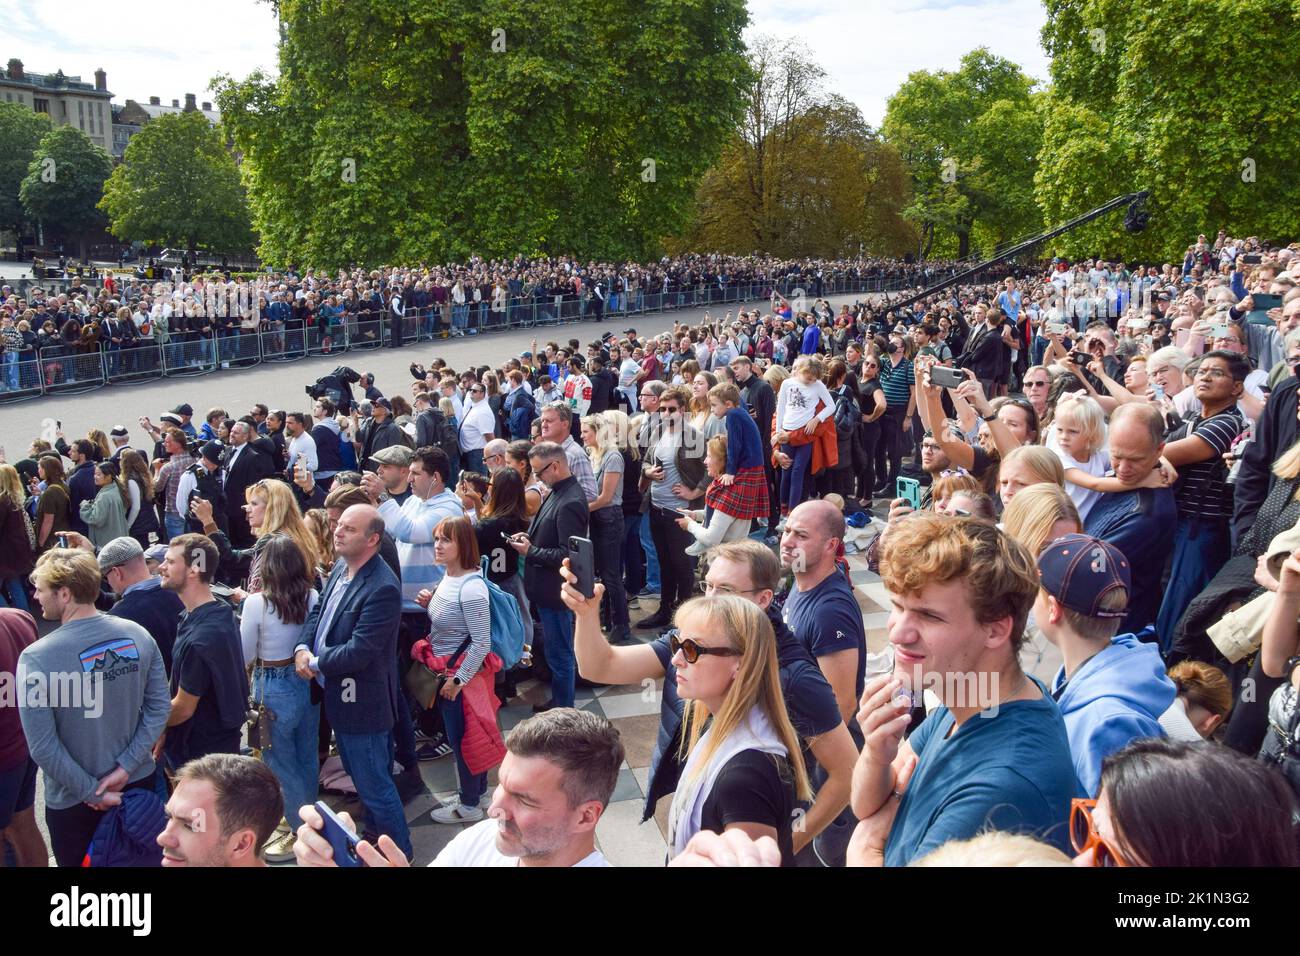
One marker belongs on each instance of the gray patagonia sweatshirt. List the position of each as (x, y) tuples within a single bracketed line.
[(92, 696)]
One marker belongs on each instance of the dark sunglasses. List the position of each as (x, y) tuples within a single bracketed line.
[(691, 652)]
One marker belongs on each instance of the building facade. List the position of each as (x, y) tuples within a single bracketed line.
[(67, 100)]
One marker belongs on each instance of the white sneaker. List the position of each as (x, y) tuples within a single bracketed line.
[(455, 812)]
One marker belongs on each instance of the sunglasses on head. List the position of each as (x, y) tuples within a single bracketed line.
[(1084, 835), (691, 651)]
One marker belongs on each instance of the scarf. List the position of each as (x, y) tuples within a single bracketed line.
[(755, 733)]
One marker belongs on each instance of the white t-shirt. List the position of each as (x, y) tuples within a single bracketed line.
[(1097, 466), (477, 846)]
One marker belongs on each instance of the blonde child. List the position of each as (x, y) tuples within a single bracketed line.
[(797, 418), (1078, 437)]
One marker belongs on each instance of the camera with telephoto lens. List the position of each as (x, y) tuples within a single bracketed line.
[(337, 387)]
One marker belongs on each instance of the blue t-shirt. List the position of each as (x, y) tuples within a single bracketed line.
[(1011, 772), (827, 619)]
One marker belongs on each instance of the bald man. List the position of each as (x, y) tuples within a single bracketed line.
[(821, 610), (1141, 521), (349, 647)]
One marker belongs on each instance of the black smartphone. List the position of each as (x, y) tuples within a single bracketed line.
[(59, 425), (1252, 258), (582, 562), (946, 377), (1080, 358), (63, 539), (342, 840)]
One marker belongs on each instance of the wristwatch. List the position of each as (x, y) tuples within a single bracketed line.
[(384, 496), (990, 416)]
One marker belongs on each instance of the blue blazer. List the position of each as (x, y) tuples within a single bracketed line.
[(358, 655)]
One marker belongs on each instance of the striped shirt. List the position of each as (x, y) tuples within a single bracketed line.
[(459, 608), (411, 524), (896, 381), (1202, 491)]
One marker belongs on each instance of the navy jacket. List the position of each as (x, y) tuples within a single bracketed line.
[(158, 611), (81, 487), (358, 654), (1141, 524)]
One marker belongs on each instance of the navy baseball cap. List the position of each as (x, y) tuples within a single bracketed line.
[(1080, 570)]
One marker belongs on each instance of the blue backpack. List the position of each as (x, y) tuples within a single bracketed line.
[(347, 454), (128, 833), (508, 634)]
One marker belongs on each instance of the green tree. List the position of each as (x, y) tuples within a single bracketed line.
[(1169, 97), (21, 130), (508, 127), (803, 174), (178, 186), (968, 140), (64, 183)]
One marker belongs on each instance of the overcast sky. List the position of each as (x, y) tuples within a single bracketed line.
[(867, 47)]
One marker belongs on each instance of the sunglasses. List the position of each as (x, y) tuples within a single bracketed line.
[(691, 651), (1084, 835)]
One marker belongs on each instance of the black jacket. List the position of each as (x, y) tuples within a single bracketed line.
[(563, 514), (379, 437), (758, 395), (1275, 432)]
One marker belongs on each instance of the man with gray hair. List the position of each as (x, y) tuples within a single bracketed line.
[(1141, 520), (556, 425), (563, 515)]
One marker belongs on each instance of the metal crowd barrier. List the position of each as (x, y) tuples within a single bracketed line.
[(60, 370)]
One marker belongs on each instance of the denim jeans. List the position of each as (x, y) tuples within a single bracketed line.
[(795, 480), (557, 632), (607, 543), (459, 316), (292, 754), (16, 597), (472, 785), (651, 556), (1200, 550), (368, 759), (11, 370), (174, 524)]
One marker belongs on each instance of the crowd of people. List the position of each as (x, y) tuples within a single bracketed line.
[(118, 326), (1028, 461)]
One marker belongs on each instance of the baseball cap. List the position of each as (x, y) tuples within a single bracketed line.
[(382, 403), (118, 552), (183, 409), (393, 455), (155, 553), (170, 419), (629, 331), (1080, 570)]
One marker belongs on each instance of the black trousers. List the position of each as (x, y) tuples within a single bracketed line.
[(607, 543), (892, 424), (869, 434), (676, 567), (72, 829)]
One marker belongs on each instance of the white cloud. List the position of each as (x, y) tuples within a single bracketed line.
[(868, 47), (147, 47), (167, 49)]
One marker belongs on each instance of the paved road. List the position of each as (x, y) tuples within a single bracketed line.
[(282, 384)]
